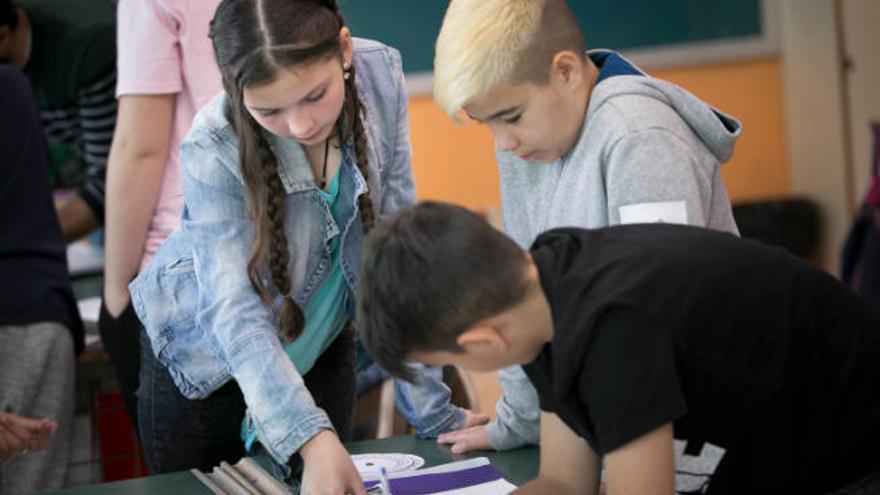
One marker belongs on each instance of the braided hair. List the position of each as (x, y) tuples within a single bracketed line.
[(253, 40), (352, 112)]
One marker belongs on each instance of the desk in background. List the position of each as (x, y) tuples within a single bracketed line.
[(518, 466)]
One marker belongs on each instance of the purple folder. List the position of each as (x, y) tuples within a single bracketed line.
[(440, 482)]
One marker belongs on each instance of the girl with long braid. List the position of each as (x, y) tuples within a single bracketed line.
[(247, 307)]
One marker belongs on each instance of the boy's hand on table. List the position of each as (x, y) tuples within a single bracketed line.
[(472, 437), (474, 419)]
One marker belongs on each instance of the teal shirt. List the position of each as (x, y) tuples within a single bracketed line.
[(324, 312)]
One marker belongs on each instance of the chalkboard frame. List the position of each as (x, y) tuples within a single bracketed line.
[(765, 44)]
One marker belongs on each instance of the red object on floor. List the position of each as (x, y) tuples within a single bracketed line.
[(120, 448)]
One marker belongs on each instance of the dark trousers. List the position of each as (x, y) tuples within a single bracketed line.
[(120, 337), (180, 434)]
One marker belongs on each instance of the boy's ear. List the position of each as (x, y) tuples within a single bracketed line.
[(568, 67), (481, 336)]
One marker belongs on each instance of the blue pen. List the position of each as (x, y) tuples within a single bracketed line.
[(383, 482)]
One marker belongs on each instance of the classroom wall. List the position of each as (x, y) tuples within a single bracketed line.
[(456, 163), (815, 114), (452, 162)]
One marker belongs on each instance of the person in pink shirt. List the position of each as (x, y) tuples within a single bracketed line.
[(166, 72)]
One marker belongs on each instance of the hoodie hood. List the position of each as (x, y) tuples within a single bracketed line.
[(716, 129), (647, 151)]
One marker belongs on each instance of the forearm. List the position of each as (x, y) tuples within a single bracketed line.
[(543, 485), (133, 185), (76, 218), (135, 171), (96, 111)]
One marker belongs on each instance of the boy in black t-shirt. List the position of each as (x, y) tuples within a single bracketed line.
[(662, 346)]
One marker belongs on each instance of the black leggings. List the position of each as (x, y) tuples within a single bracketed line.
[(180, 434)]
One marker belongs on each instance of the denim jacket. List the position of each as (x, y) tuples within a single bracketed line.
[(205, 322)]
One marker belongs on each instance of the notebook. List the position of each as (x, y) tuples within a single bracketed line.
[(470, 477)]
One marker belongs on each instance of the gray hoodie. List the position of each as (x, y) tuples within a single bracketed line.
[(648, 151)]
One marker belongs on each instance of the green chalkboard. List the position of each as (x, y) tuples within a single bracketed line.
[(412, 25)]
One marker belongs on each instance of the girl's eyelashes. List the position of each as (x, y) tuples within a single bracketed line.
[(513, 120), (308, 99), (316, 97)]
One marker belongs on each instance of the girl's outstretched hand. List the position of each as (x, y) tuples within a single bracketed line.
[(328, 468)]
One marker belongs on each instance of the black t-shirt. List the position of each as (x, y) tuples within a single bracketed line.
[(769, 367)]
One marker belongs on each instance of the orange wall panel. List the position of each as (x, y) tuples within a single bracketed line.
[(452, 162), (752, 92), (456, 163)]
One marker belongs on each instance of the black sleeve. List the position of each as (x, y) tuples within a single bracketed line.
[(629, 379), (538, 377)]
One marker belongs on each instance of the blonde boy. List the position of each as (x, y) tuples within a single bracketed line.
[(582, 139)]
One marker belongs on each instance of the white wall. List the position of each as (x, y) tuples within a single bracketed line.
[(813, 88)]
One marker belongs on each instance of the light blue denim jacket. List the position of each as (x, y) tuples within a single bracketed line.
[(206, 323)]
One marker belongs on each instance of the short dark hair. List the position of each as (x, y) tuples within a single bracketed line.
[(427, 274), (558, 31), (8, 15)]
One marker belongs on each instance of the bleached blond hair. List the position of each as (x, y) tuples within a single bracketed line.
[(483, 43)]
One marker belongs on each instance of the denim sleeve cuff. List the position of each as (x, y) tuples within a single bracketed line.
[(454, 419), (302, 432), (426, 405), (281, 407)]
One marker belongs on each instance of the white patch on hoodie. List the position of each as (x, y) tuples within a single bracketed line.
[(658, 212)]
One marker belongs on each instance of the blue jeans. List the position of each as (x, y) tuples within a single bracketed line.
[(180, 434)]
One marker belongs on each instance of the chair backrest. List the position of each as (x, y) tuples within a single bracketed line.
[(791, 223)]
